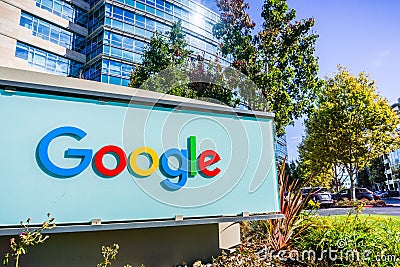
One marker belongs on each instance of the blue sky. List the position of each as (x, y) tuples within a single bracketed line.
[(363, 35)]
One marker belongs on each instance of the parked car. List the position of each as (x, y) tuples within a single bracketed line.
[(361, 194), (380, 194), (319, 195), (386, 194), (394, 193)]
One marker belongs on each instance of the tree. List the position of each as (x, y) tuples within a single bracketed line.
[(363, 178), (279, 58), (169, 66), (160, 54), (377, 171), (325, 173), (351, 126)]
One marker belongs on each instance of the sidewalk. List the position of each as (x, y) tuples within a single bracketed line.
[(393, 201)]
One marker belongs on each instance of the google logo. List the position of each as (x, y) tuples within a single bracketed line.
[(189, 163)]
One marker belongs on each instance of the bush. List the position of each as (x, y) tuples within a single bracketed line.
[(352, 240)]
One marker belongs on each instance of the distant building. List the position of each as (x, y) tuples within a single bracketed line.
[(96, 40), (281, 148), (392, 161)]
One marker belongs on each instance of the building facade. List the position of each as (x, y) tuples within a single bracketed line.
[(99, 40), (392, 161), (281, 148)]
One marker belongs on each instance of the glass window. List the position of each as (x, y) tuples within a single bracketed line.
[(64, 10), (130, 2), (127, 55), (44, 30), (46, 61), (21, 51), (116, 52), (26, 20), (139, 46), (48, 4), (51, 62), (40, 59), (117, 24), (65, 38), (159, 13), (150, 2), (129, 17), (139, 6), (126, 70), (150, 10), (148, 34), (160, 4), (139, 31), (105, 65), (140, 20), (107, 37), (54, 33), (116, 39), (117, 13), (115, 80), (128, 43), (150, 24), (185, 14), (177, 11), (57, 9), (106, 50), (168, 7), (129, 28), (115, 67), (108, 10), (168, 17), (125, 82), (68, 12)]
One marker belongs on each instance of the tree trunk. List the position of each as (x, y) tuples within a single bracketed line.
[(352, 188)]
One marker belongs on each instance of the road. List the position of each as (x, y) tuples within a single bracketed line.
[(392, 209)]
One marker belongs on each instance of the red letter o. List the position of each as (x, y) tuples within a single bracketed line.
[(118, 153)]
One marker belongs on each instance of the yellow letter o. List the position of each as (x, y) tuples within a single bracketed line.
[(153, 158)]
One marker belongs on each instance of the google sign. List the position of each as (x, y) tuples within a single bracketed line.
[(189, 163)]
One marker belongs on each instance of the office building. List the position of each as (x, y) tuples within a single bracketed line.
[(281, 148), (99, 40), (392, 161)]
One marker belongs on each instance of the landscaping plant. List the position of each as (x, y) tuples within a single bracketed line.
[(29, 237), (352, 240)]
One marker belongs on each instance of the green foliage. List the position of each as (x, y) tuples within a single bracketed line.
[(363, 178), (351, 126), (110, 253), (354, 240), (346, 203), (247, 254), (280, 233), (279, 59), (168, 66), (155, 59), (28, 238), (377, 170), (161, 53)]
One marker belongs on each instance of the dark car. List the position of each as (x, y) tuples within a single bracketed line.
[(361, 194), (319, 195), (380, 194)]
